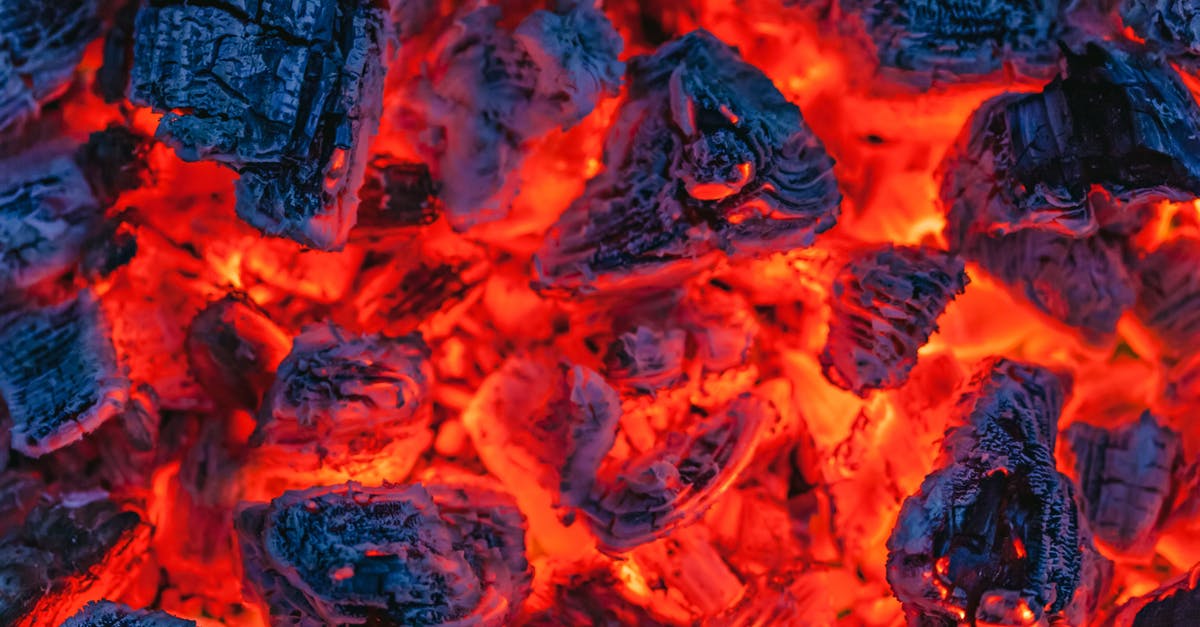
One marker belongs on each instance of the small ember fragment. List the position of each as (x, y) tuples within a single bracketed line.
[(397, 193), (40, 45), (109, 614), (1125, 479), (583, 595), (79, 546), (113, 161), (1170, 294), (992, 536), (410, 555), (1176, 603), (1168, 25), (287, 94), (932, 41), (233, 350), (59, 377), (349, 403), (885, 305), (489, 91), (705, 156), (1117, 121)]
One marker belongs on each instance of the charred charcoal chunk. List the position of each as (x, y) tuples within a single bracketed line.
[(348, 403), (584, 595), (71, 547), (931, 41), (40, 45), (1176, 603), (1125, 479), (1169, 301), (646, 358), (1117, 121), (489, 91), (705, 156), (285, 93), (112, 77), (993, 535), (405, 555), (1172, 26), (109, 614), (885, 306), (113, 161), (397, 193), (233, 350), (60, 377)]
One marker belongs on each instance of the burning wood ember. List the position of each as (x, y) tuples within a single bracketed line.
[(346, 404), (993, 535), (40, 45), (1167, 302), (1126, 478), (109, 614), (412, 555), (705, 155), (287, 95), (885, 305), (398, 193), (488, 91), (925, 42), (1168, 25), (1176, 603), (70, 547), (234, 349), (60, 378)]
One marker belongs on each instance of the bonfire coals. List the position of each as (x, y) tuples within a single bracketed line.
[(798, 312)]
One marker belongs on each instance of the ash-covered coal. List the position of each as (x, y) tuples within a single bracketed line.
[(885, 304), (233, 350), (411, 555), (110, 614), (1175, 603), (1169, 300), (490, 90), (398, 194), (60, 377), (288, 94), (40, 45), (705, 156), (1169, 26), (1126, 479), (993, 535)]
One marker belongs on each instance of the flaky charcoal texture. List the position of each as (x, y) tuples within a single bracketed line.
[(339, 398), (993, 534), (109, 614), (398, 193), (1169, 301), (1176, 603), (885, 304), (932, 41), (233, 349), (705, 155), (489, 91), (1117, 121), (286, 93), (1172, 26), (40, 45), (403, 555), (67, 549), (59, 377), (1125, 479)]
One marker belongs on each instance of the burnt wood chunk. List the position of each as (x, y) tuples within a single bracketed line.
[(705, 155), (40, 45), (349, 401), (490, 90), (112, 77), (1169, 301), (1126, 478), (923, 42), (885, 304), (114, 160), (60, 377), (405, 555), (1169, 26), (285, 93), (993, 534), (1173, 604), (398, 193), (1120, 122), (233, 349), (110, 614)]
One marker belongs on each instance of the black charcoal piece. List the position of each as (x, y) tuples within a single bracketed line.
[(113, 161), (397, 193), (1126, 479), (993, 534), (112, 77), (705, 155), (885, 304), (109, 614), (923, 42), (1170, 26), (343, 398), (1169, 301), (407, 555), (59, 377), (286, 93), (233, 349), (406, 289), (1175, 603), (40, 45), (490, 90)]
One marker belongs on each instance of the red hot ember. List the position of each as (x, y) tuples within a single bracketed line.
[(795, 312)]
